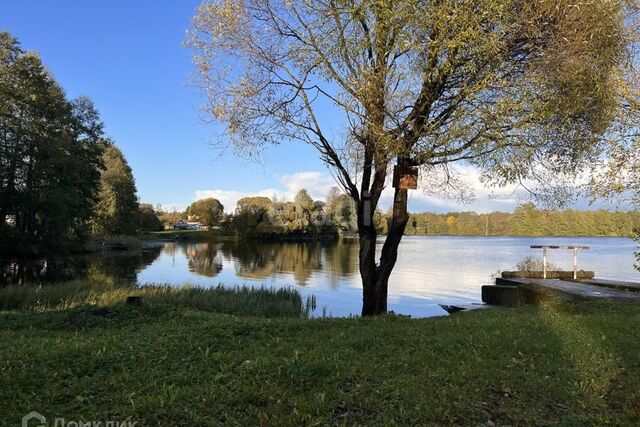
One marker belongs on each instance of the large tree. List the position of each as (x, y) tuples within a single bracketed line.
[(116, 211), (509, 86), (208, 211), (617, 175), (148, 218), (49, 156)]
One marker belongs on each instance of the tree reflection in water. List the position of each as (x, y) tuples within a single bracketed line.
[(252, 260), (115, 267), (262, 260), (204, 258)]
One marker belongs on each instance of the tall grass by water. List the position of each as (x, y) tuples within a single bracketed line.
[(239, 300)]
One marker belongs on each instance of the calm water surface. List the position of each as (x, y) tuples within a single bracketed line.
[(430, 270)]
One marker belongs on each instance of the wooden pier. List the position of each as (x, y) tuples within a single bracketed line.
[(512, 289), (516, 288)]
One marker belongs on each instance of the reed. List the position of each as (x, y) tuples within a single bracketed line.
[(237, 300)]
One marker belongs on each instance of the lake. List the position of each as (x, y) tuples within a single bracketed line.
[(430, 270)]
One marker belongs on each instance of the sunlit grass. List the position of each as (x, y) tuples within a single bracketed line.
[(171, 362), (243, 300), (596, 364)]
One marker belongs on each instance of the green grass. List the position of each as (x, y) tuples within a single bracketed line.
[(165, 365), (265, 302)]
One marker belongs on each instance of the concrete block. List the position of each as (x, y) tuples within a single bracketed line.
[(510, 296)]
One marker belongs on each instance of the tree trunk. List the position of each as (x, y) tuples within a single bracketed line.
[(375, 278), (368, 235)]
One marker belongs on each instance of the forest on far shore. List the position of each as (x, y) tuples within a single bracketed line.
[(527, 220), (336, 216)]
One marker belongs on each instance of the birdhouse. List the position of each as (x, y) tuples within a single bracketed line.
[(405, 177)]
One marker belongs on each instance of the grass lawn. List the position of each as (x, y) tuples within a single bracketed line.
[(171, 364)]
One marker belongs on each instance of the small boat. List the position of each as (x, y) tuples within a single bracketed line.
[(451, 308)]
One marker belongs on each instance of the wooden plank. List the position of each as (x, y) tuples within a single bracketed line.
[(614, 284), (577, 289)]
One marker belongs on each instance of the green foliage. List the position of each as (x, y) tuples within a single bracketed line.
[(380, 222), (49, 157), (148, 219), (526, 220), (243, 300), (169, 219), (303, 199), (116, 211), (341, 210), (250, 211), (207, 211), (303, 217), (503, 84), (162, 365), (535, 264), (337, 217)]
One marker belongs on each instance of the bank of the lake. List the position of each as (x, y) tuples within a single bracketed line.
[(172, 364), (186, 235), (216, 236)]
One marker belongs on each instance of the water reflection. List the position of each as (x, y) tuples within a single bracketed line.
[(263, 260), (117, 267), (204, 259), (430, 270)]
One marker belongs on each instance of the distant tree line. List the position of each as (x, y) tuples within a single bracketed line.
[(61, 179), (526, 220), (304, 217), (264, 217), (272, 218), (336, 216)]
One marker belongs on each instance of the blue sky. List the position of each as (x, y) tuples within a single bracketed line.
[(128, 56)]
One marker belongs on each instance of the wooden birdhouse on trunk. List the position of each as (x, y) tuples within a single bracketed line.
[(405, 177)]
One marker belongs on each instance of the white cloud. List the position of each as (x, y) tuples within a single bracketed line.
[(316, 183), (172, 207), (471, 194)]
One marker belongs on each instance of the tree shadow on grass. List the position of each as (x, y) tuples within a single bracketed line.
[(601, 341), (530, 366)]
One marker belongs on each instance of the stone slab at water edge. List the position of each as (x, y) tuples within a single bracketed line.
[(516, 291)]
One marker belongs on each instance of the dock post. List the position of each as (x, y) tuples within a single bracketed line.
[(544, 257)]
